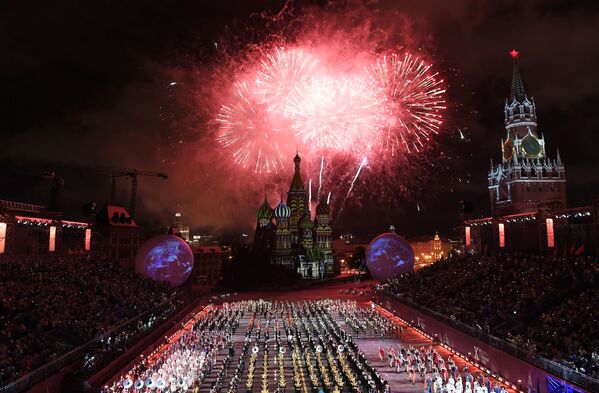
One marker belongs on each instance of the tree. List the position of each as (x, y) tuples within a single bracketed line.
[(358, 257)]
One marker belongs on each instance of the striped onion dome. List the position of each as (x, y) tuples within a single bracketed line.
[(282, 210), (323, 208)]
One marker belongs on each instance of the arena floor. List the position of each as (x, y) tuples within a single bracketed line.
[(398, 382)]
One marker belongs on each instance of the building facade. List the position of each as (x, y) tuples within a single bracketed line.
[(291, 237), (28, 230), (119, 236), (428, 250), (208, 263)]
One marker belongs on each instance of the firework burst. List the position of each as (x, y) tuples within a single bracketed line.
[(280, 76), (414, 102), (341, 114), (250, 132)]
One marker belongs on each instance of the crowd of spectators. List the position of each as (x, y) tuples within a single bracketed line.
[(50, 307), (545, 305)]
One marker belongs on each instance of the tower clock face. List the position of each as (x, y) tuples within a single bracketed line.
[(531, 146), (508, 149)]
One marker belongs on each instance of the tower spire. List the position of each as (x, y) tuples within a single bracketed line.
[(297, 183), (559, 158), (517, 91)]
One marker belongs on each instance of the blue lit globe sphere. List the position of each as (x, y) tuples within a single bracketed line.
[(165, 258), (389, 255)]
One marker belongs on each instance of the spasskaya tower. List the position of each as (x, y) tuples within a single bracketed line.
[(526, 179)]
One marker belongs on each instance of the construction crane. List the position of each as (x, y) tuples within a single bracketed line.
[(131, 173), (111, 173), (57, 185)]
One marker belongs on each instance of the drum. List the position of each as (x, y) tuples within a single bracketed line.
[(150, 382), (127, 383)]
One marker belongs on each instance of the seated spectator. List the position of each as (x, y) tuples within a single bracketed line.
[(545, 305), (48, 308)]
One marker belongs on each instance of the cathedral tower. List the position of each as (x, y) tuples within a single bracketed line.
[(323, 229), (264, 226), (282, 253), (324, 232), (297, 201), (282, 235), (526, 180), (306, 229)]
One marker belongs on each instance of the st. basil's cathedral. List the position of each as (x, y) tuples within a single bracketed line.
[(291, 237)]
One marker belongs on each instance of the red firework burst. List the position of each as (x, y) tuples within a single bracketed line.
[(252, 133), (414, 102), (281, 74), (341, 114)]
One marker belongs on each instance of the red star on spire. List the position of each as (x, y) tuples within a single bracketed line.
[(514, 53)]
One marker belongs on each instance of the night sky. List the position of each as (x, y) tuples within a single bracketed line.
[(88, 83)]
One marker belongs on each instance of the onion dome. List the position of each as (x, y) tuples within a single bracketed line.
[(264, 211), (282, 210), (306, 222), (323, 208)]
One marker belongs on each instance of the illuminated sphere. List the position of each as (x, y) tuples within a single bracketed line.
[(389, 255), (165, 258)]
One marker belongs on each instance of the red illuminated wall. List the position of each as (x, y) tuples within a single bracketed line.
[(467, 229), (550, 233)]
